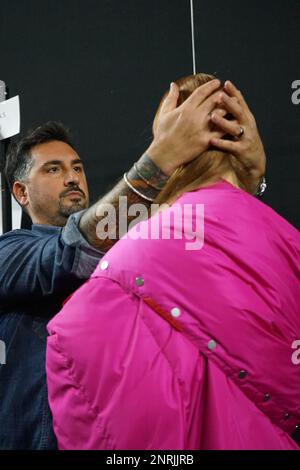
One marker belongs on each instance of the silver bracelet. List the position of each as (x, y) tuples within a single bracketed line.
[(262, 187), (135, 190)]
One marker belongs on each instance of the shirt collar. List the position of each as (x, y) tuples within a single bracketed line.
[(43, 228)]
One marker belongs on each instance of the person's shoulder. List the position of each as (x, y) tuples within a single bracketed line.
[(271, 218), (26, 234), (233, 205), (16, 233)]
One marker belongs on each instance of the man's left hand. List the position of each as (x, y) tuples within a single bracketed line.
[(247, 145)]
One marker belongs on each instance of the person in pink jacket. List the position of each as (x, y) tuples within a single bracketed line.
[(186, 334)]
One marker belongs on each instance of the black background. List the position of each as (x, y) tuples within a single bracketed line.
[(101, 67)]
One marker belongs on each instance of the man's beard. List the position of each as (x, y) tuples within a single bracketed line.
[(66, 211), (56, 213)]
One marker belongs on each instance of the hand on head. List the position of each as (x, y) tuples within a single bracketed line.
[(246, 145), (185, 131), (189, 122)]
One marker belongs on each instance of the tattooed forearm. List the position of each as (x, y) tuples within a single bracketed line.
[(146, 178), (146, 170)]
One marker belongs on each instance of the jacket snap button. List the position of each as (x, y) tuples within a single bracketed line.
[(242, 374), (286, 416), (104, 265), (267, 397), (139, 281), (211, 344), (175, 312)]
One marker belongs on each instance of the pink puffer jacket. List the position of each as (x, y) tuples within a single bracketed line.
[(173, 348)]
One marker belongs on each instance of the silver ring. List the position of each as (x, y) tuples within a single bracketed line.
[(242, 132)]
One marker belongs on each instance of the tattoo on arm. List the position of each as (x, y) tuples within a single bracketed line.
[(147, 178)]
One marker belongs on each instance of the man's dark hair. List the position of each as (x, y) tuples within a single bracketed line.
[(19, 160)]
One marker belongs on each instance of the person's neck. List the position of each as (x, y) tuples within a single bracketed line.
[(230, 176), (54, 222)]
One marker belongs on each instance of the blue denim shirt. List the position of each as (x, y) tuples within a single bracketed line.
[(39, 269)]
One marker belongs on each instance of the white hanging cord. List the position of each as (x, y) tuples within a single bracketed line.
[(193, 37)]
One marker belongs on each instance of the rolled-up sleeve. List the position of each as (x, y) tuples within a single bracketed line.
[(44, 262), (86, 257)]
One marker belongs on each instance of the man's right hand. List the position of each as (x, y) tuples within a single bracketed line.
[(185, 131)]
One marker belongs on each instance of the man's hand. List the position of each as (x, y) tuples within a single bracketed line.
[(183, 133), (248, 148)]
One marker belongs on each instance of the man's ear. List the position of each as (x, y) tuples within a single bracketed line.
[(20, 193)]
